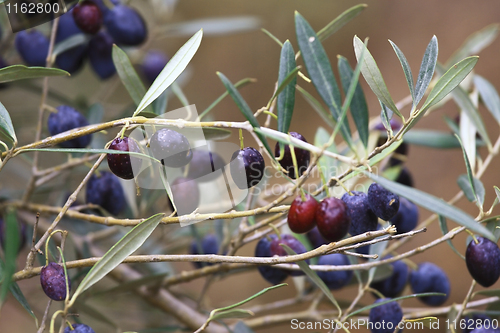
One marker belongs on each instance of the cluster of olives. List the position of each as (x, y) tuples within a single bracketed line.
[(329, 220), (121, 25)]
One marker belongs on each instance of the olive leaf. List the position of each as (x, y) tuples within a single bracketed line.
[(121, 250), (172, 70), (21, 72), (320, 70), (406, 69), (245, 109), (11, 249), (373, 77), (6, 127), (287, 79), (434, 204), (358, 105), (426, 70), (128, 75)]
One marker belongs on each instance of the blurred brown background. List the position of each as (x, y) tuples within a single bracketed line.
[(410, 24)]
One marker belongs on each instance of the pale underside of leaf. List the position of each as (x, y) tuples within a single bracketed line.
[(433, 204), (172, 70), (373, 76), (449, 81), (6, 126), (121, 250), (426, 71)]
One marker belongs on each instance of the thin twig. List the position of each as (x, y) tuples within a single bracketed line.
[(38, 131), (45, 316), (109, 220), (69, 202), (213, 258), (466, 300)]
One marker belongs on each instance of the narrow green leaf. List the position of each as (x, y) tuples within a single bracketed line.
[(244, 108), (475, 43), (392, 173), (273, 37), (286, 98), (337, 23), (426, 71), (497, 192), (464, 102), (434, 139), (314, 277), (235, 313), (452, 125), (286, 81), (11, 238), (444, 230), (488, 292), (172, 70), (433, 204), (431, 139), (95, 113), (340, 21), (471, 193), (130, 194), (168, 189), (215, 133), (373, 77), (316, 105), (21, 72), (121, 250), (238, 84), (366, 308), (177, 90), (470, 174), (263, 291), (160, 104), (95, 314), (489, 96), (406, 69), (18, 295), (349, 94), (6, 126), (449, 81), (359, 107), (319, 69), (381, 273), (328, 165), (386, 116), (493, 307), (128, 75), (468, 133), (493, 224), (238, 99), (69, 43), (148, 114), (357, 273)]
